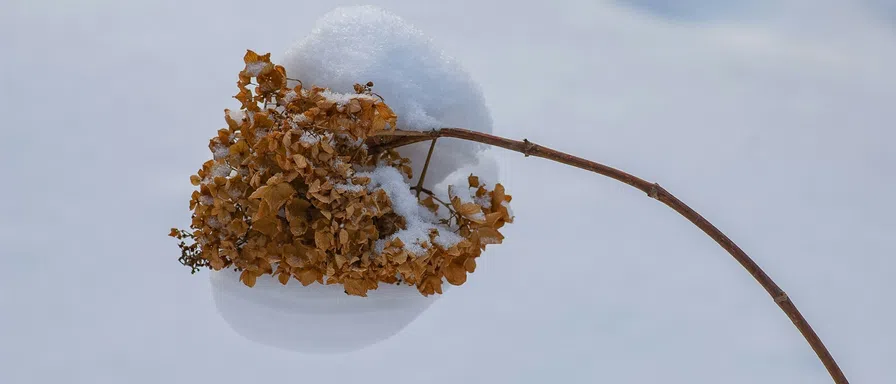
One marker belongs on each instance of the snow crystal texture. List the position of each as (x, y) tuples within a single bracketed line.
[(419, 220), (424, 86)]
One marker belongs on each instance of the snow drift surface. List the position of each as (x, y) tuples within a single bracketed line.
[(427, 90), (424, 86), (313, 319)]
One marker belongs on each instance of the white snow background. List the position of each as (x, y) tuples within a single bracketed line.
[(775, 122)]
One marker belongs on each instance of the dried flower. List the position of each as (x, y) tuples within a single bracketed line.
[(292, 190)]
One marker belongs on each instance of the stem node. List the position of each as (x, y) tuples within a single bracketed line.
[(529, 148), (654, 191)]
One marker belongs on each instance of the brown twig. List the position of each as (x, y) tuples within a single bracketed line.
[(436, 198), (400, 138), (451, 213), (425, 167)]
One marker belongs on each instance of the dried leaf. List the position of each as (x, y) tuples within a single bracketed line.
[(300, 161), (274, 195), (308, 276), (267, 225), (488, 235), (455, 274), (297, 208), (283, 277), (354, 106), (323, 240), (470, 265), (248, 278), (293, 260), (355, 287), (340, 261)]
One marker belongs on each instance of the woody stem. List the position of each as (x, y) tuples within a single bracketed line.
[(425, 167), (394, 139)]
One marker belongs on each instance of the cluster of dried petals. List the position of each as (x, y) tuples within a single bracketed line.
[(289, 193)]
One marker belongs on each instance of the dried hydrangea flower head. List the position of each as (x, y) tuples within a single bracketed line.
[(294, 190)]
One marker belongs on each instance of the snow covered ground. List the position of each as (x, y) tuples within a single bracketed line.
[(777, 126)]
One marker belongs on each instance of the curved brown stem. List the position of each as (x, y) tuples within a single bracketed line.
[(396, 139)]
